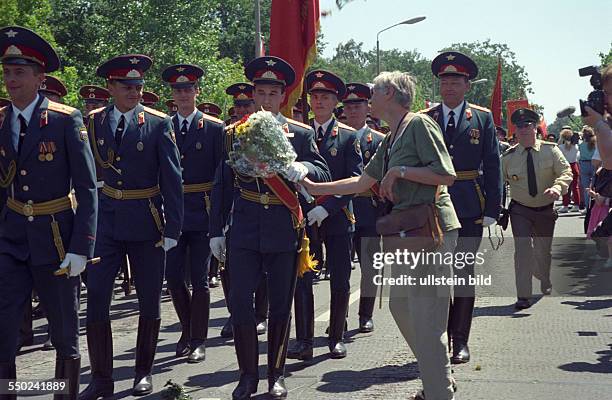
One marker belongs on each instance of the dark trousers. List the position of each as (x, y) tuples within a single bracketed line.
[(470, 236), (532, 231), (58, 294), (147, 266), (366, 244), (199, 251), (248, 267)]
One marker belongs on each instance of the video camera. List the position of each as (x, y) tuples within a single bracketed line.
[(596, 98)]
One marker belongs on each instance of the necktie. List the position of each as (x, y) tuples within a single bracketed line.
[(119, 131), (184, 127), (450, 126), (531, 176), (23, 128), (320, 133)]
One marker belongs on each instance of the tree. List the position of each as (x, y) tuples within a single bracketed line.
[(606, 59)]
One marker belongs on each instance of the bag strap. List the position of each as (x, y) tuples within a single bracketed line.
[(401, 127)]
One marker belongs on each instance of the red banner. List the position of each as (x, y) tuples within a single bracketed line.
[(496, 97), (511, 106), (293, 34)]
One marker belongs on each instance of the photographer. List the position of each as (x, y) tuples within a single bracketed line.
[(601, 123)]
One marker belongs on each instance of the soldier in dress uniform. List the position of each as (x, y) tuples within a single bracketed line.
[(200, 140), (44, 153), (209, 108), (242, 94), (367, 205), (338, 144), (149, 99), (264, 236), (172, 107), (94, 97), (53, 89), (538, 174), (470, 137), (141, 171)]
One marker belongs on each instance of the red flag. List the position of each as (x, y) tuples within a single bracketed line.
[(511, 106), (293, 35), (496, 97)]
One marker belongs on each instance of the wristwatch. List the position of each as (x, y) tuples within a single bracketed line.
[(403, 171)]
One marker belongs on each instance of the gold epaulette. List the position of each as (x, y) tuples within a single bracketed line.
[(510, 150), (153, 111), (298, 123), (344, 126), (479, 107), (229, 129), (97, 110), (213, 119), (60, 108), (3, 108)]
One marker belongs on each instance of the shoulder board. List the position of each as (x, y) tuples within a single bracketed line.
[(60, 108), (548, 143), (298, 123), (344, 126), (211, 118), (97, 110), (477, 107), (510, 150), (376, 133), (153, 111), (229, 129), (3, 108)]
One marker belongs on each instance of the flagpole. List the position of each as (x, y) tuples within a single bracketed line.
[(257, 30)]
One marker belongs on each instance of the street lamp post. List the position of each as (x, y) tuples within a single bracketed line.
[(407, 22)]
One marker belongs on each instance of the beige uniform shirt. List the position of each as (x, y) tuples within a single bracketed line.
[(551, 169)]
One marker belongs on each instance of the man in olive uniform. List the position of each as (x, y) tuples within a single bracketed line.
[(263, 235), (333, 215), (242, 94), (199, 138), (44, 154), (469, 134), (141, 171), (367, 205), (538, 174)]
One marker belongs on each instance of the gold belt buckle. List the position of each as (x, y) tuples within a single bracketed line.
[(28, 210), (265, 200), (119, 194)]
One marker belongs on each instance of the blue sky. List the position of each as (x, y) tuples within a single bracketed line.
[(551, 39)]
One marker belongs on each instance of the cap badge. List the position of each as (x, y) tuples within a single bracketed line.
[(269, 75), (450, 57), (12, 50), (133, 74), (134, 60), (180, 69), (11, 33), (270, 62)]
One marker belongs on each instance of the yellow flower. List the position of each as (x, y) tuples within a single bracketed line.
[(242, 129)]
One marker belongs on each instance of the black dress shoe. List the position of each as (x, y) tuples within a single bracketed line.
[(366, 325), (197, 355), (213, 282), (262, 327), (143, 386), (337, 350), (246, 387), (461, 353), (98, 389), (182, 347), (227, 332), (522, 304), (300, 350), (48, 346), (277, 388)]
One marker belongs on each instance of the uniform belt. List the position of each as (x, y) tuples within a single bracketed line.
[(262, 198), (198, 187), (130, 194), (546, 207), (43, 208), (467, 175)]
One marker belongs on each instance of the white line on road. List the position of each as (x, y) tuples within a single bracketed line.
[(324, 317)]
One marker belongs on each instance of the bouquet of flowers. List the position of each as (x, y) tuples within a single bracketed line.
[(261, 148)]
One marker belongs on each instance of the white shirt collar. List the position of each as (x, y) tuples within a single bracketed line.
[(27, 112), (189, 118), (457, 110), (128, 115), (324, 125)]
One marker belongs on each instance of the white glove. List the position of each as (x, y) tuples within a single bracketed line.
[(169, 244), (488, 221), (217, 247), (75, 262), (317, 214), (296, 172)]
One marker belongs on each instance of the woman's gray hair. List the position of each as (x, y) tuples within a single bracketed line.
[(403, 83)]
